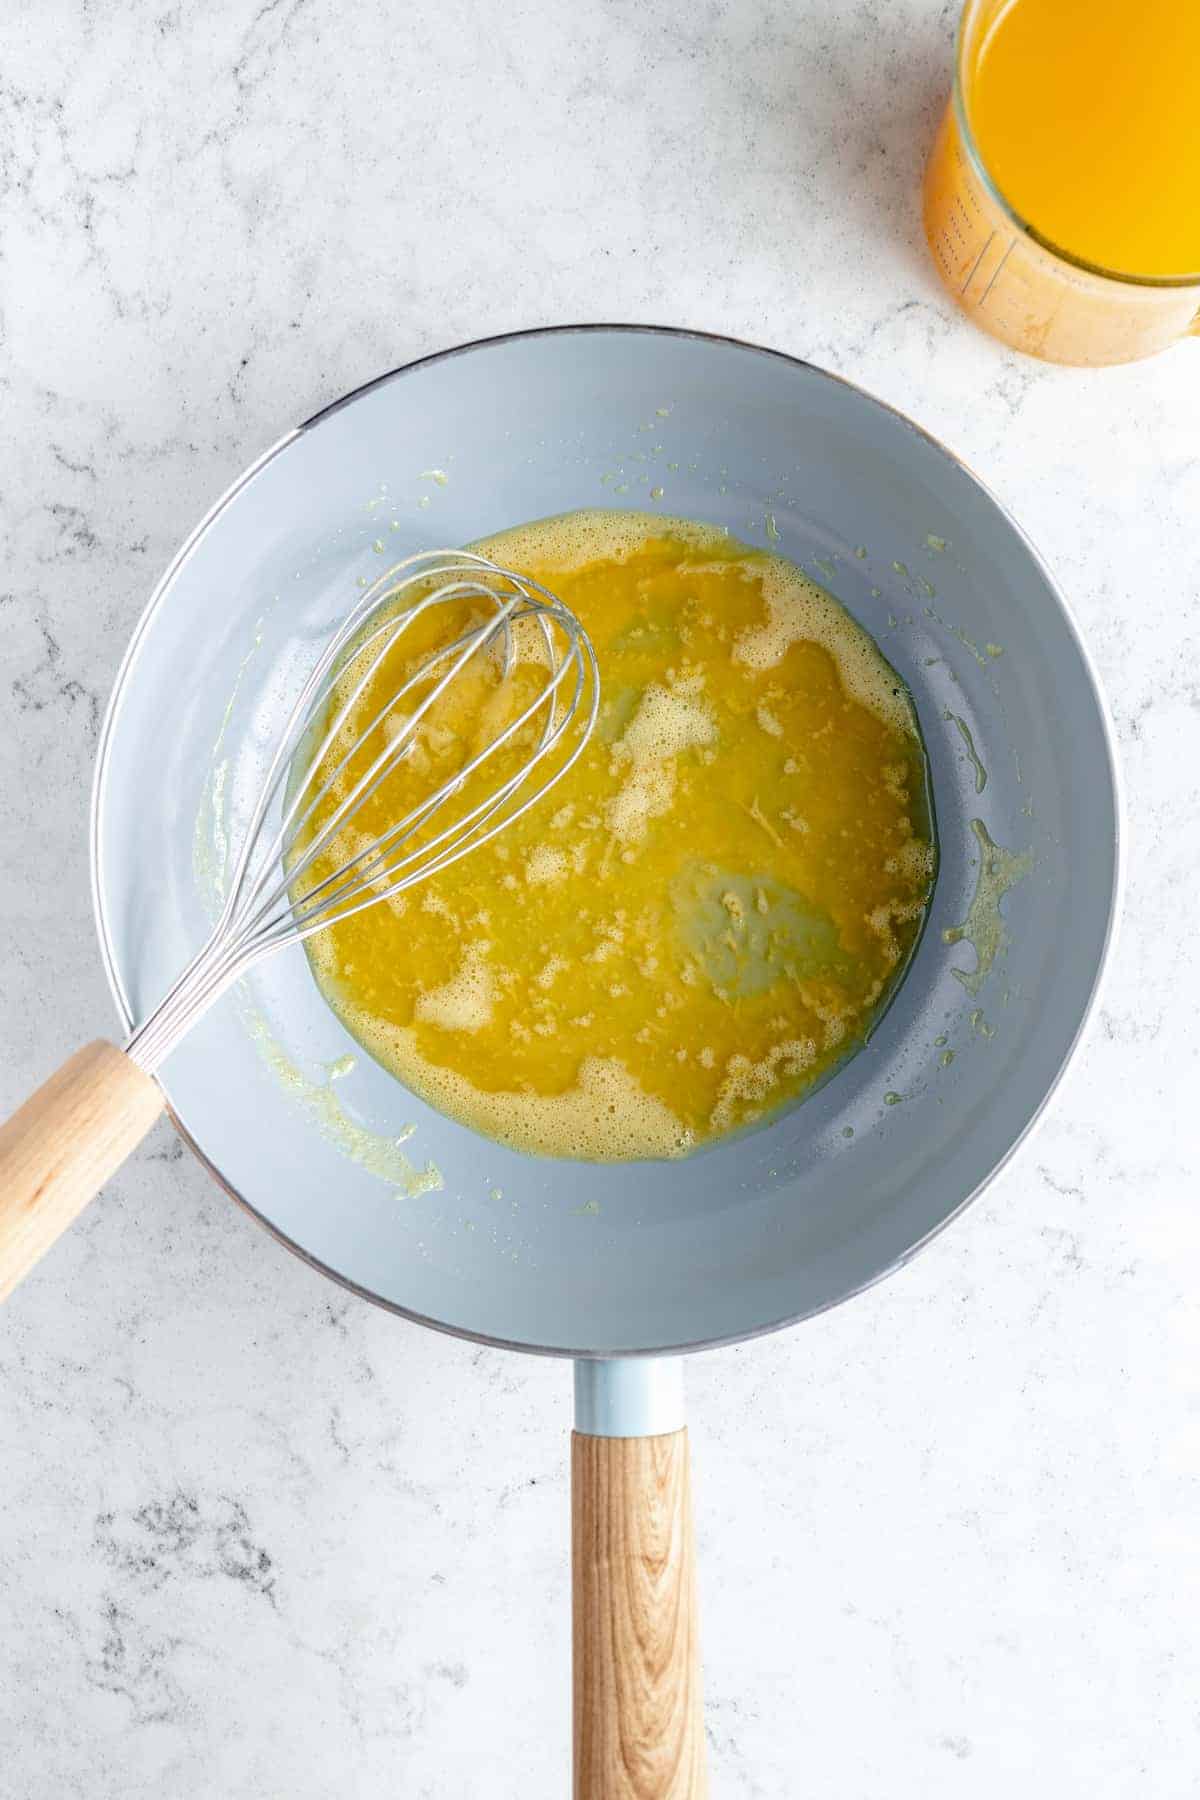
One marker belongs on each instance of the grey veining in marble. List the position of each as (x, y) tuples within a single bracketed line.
[(257, 1539)]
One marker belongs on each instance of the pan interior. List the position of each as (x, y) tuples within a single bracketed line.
[(424, 1215)]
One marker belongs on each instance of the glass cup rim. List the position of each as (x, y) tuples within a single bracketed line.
[(1119, 277)]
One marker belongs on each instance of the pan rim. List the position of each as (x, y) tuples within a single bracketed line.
[(162, 588)]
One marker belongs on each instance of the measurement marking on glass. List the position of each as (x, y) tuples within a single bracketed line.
[(975, 265), (991, 284)]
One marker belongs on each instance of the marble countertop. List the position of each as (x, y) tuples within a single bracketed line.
[(258, 1539)]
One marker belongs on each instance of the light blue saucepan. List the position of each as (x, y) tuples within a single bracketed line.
[(617, 1265)]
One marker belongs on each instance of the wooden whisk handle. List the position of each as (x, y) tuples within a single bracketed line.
[(60, 1148)]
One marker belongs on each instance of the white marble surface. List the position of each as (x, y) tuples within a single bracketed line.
[(258, 1539)]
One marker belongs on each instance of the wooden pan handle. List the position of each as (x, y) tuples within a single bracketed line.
[(639, 1729), (59, 1149)]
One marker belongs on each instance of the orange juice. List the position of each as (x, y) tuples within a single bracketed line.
[(1086, 114), (1062, 195)]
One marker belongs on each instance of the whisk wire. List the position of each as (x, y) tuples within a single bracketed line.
[(372, 864), (265, 906), (392, 753), (462, 834), (322, 682)]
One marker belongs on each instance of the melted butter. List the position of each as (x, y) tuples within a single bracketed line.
[(984, 928), (717, 901)]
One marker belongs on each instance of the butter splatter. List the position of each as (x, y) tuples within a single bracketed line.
[(984, 928), (380, 1155), (972, 754), (970, 645)]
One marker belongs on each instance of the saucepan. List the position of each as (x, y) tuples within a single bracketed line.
[(626, 1267)]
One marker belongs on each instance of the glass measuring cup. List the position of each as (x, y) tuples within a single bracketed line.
[(1010, 279)]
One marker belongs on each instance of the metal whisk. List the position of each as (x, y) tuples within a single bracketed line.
[(77, 1128), (270, 902)]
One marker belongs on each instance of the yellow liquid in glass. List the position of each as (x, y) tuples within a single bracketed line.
[(710, 909), (1086, 114)]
